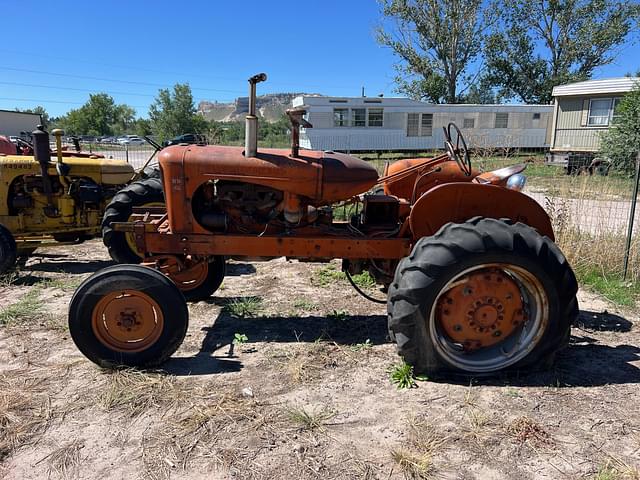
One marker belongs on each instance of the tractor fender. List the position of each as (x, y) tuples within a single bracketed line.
[(458, 202)]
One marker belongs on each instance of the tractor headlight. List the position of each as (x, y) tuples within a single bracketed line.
[(516, 182)]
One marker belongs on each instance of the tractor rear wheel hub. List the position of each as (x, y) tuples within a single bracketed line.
[(481, 309)]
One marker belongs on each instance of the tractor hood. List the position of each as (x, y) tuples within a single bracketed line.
[(101, 170), (111, 172), (322, 177)]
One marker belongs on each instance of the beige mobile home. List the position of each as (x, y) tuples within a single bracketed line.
[(582, 112)]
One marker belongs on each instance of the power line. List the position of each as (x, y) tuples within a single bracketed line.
[(36, 100), (75, 89), (100, 79), (165, 72)]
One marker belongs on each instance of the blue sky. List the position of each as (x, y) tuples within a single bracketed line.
[(64, 50)]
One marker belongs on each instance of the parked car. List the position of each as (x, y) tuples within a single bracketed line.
[(190, 138), (130, 140)]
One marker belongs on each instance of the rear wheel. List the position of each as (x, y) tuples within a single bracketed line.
[(197, 278), (128, 315), (8, 250), (121, 245), (482, 297)]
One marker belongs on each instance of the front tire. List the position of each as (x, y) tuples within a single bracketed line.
[(8, 250), (482, 297), (128, 315), (121, 245)]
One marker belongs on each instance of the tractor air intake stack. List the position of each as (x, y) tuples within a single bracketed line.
[(42, 153), (251, 129)]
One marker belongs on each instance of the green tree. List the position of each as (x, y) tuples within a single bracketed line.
[(39, 110), (438, 43), (621, 143), (174, 113), (99, 116), (142, 127), (544, 43)]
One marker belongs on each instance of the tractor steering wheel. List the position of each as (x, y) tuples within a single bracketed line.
[(460, 155)]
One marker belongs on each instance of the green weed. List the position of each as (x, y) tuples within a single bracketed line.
[(240, 339), (358, 347), (339, 315), (244, 307), (610, 286), (310, 419), (402, 376), (28, 308)]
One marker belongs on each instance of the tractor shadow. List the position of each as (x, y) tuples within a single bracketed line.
[(218, 354), (586, 362)]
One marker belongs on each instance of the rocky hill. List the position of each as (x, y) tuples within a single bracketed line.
[(270, 107)]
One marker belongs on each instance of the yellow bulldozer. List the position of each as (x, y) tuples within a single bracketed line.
[(61, 196)]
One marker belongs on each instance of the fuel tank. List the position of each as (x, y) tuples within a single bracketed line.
[(322, 177)]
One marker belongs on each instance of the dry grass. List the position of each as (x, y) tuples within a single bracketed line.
[(310, 419), (134, 392), (415, 457), (213, 426), (27, 309), (615, 468), (64, 461), (526, 430), (25, 408), (307, 362)]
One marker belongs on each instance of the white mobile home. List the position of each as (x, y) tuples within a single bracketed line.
[(582, 112), (373, 123)]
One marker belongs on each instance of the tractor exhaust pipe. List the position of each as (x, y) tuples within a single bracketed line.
[(42, 154), (251, 128)]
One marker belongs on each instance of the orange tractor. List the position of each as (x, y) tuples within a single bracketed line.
[(475, 283)]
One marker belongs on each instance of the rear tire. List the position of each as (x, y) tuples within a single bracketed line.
[(120, 209), (8, 250), (217, 268), (450, 259), (128, 315)]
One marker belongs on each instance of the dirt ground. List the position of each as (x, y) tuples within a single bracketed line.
[(307, 395)]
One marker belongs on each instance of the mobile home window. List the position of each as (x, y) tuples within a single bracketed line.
[(502, 120), (615, 114), (536, 116), (358, 117), (340, 117), (427, 124), (375, 117), (599, 112), (412, 124), (469, 123)]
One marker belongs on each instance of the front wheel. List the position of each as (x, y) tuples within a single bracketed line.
[(482, 297), (128, 315), (8, 250)]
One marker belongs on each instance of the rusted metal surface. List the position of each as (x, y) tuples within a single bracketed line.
[(270, 246), (127, 321), (500, 176), (296, 118), (251, 126), (322, 177), (412, 177), (186, 272), (481, 310), (458, 202)]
